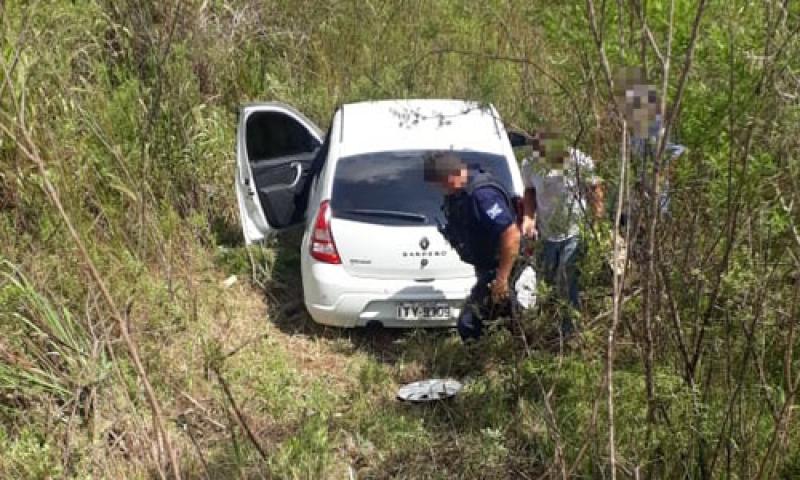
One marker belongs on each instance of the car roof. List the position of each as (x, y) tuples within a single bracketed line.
[(388, 125)]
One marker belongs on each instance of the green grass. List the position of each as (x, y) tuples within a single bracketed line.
[(28, 455), (63, 359), (133, 107)]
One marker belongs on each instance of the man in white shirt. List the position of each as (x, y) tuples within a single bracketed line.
[(559, 182)]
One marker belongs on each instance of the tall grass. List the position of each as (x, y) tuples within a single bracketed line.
[(46, 349)]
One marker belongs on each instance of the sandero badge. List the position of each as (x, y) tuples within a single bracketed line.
[(424, 244)]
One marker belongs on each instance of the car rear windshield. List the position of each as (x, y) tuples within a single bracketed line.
[(388, 188)]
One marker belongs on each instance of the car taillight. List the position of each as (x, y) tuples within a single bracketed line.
[(322, 246)]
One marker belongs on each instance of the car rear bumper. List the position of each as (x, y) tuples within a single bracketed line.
[(333, 297)]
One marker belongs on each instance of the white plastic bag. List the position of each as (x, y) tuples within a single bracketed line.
[(525, 287)]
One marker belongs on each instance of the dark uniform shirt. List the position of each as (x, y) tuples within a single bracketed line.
[(478, 220), (493, 211), (480, 213)]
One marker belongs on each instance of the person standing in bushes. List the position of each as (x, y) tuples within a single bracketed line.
[(558, 181), (640, 105)]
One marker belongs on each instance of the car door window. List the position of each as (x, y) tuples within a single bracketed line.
[(273, 134)]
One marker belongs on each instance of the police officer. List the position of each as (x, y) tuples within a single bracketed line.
[(481, 228)]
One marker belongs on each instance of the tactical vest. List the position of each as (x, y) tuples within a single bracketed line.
[(463, 230)]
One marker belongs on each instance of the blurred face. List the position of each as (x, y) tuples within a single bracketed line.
[(637, 100), (455, 181), (641, 108), (549, 147)]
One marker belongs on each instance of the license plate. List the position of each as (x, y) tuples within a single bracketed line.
[(423, 311)]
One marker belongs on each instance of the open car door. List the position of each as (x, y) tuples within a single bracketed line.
[(275, 148)]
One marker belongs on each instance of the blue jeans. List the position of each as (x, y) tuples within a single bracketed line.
[(559, 262)]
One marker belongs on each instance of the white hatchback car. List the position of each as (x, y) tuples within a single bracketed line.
[(371, 251)]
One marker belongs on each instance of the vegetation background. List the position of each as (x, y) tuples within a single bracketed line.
[(125, 354)]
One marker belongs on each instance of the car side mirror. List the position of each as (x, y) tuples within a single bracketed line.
[(517, 138)]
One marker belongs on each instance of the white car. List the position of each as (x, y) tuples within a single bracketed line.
[(371, 251)]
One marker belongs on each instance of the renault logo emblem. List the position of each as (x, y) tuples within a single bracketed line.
[(424, 243)]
